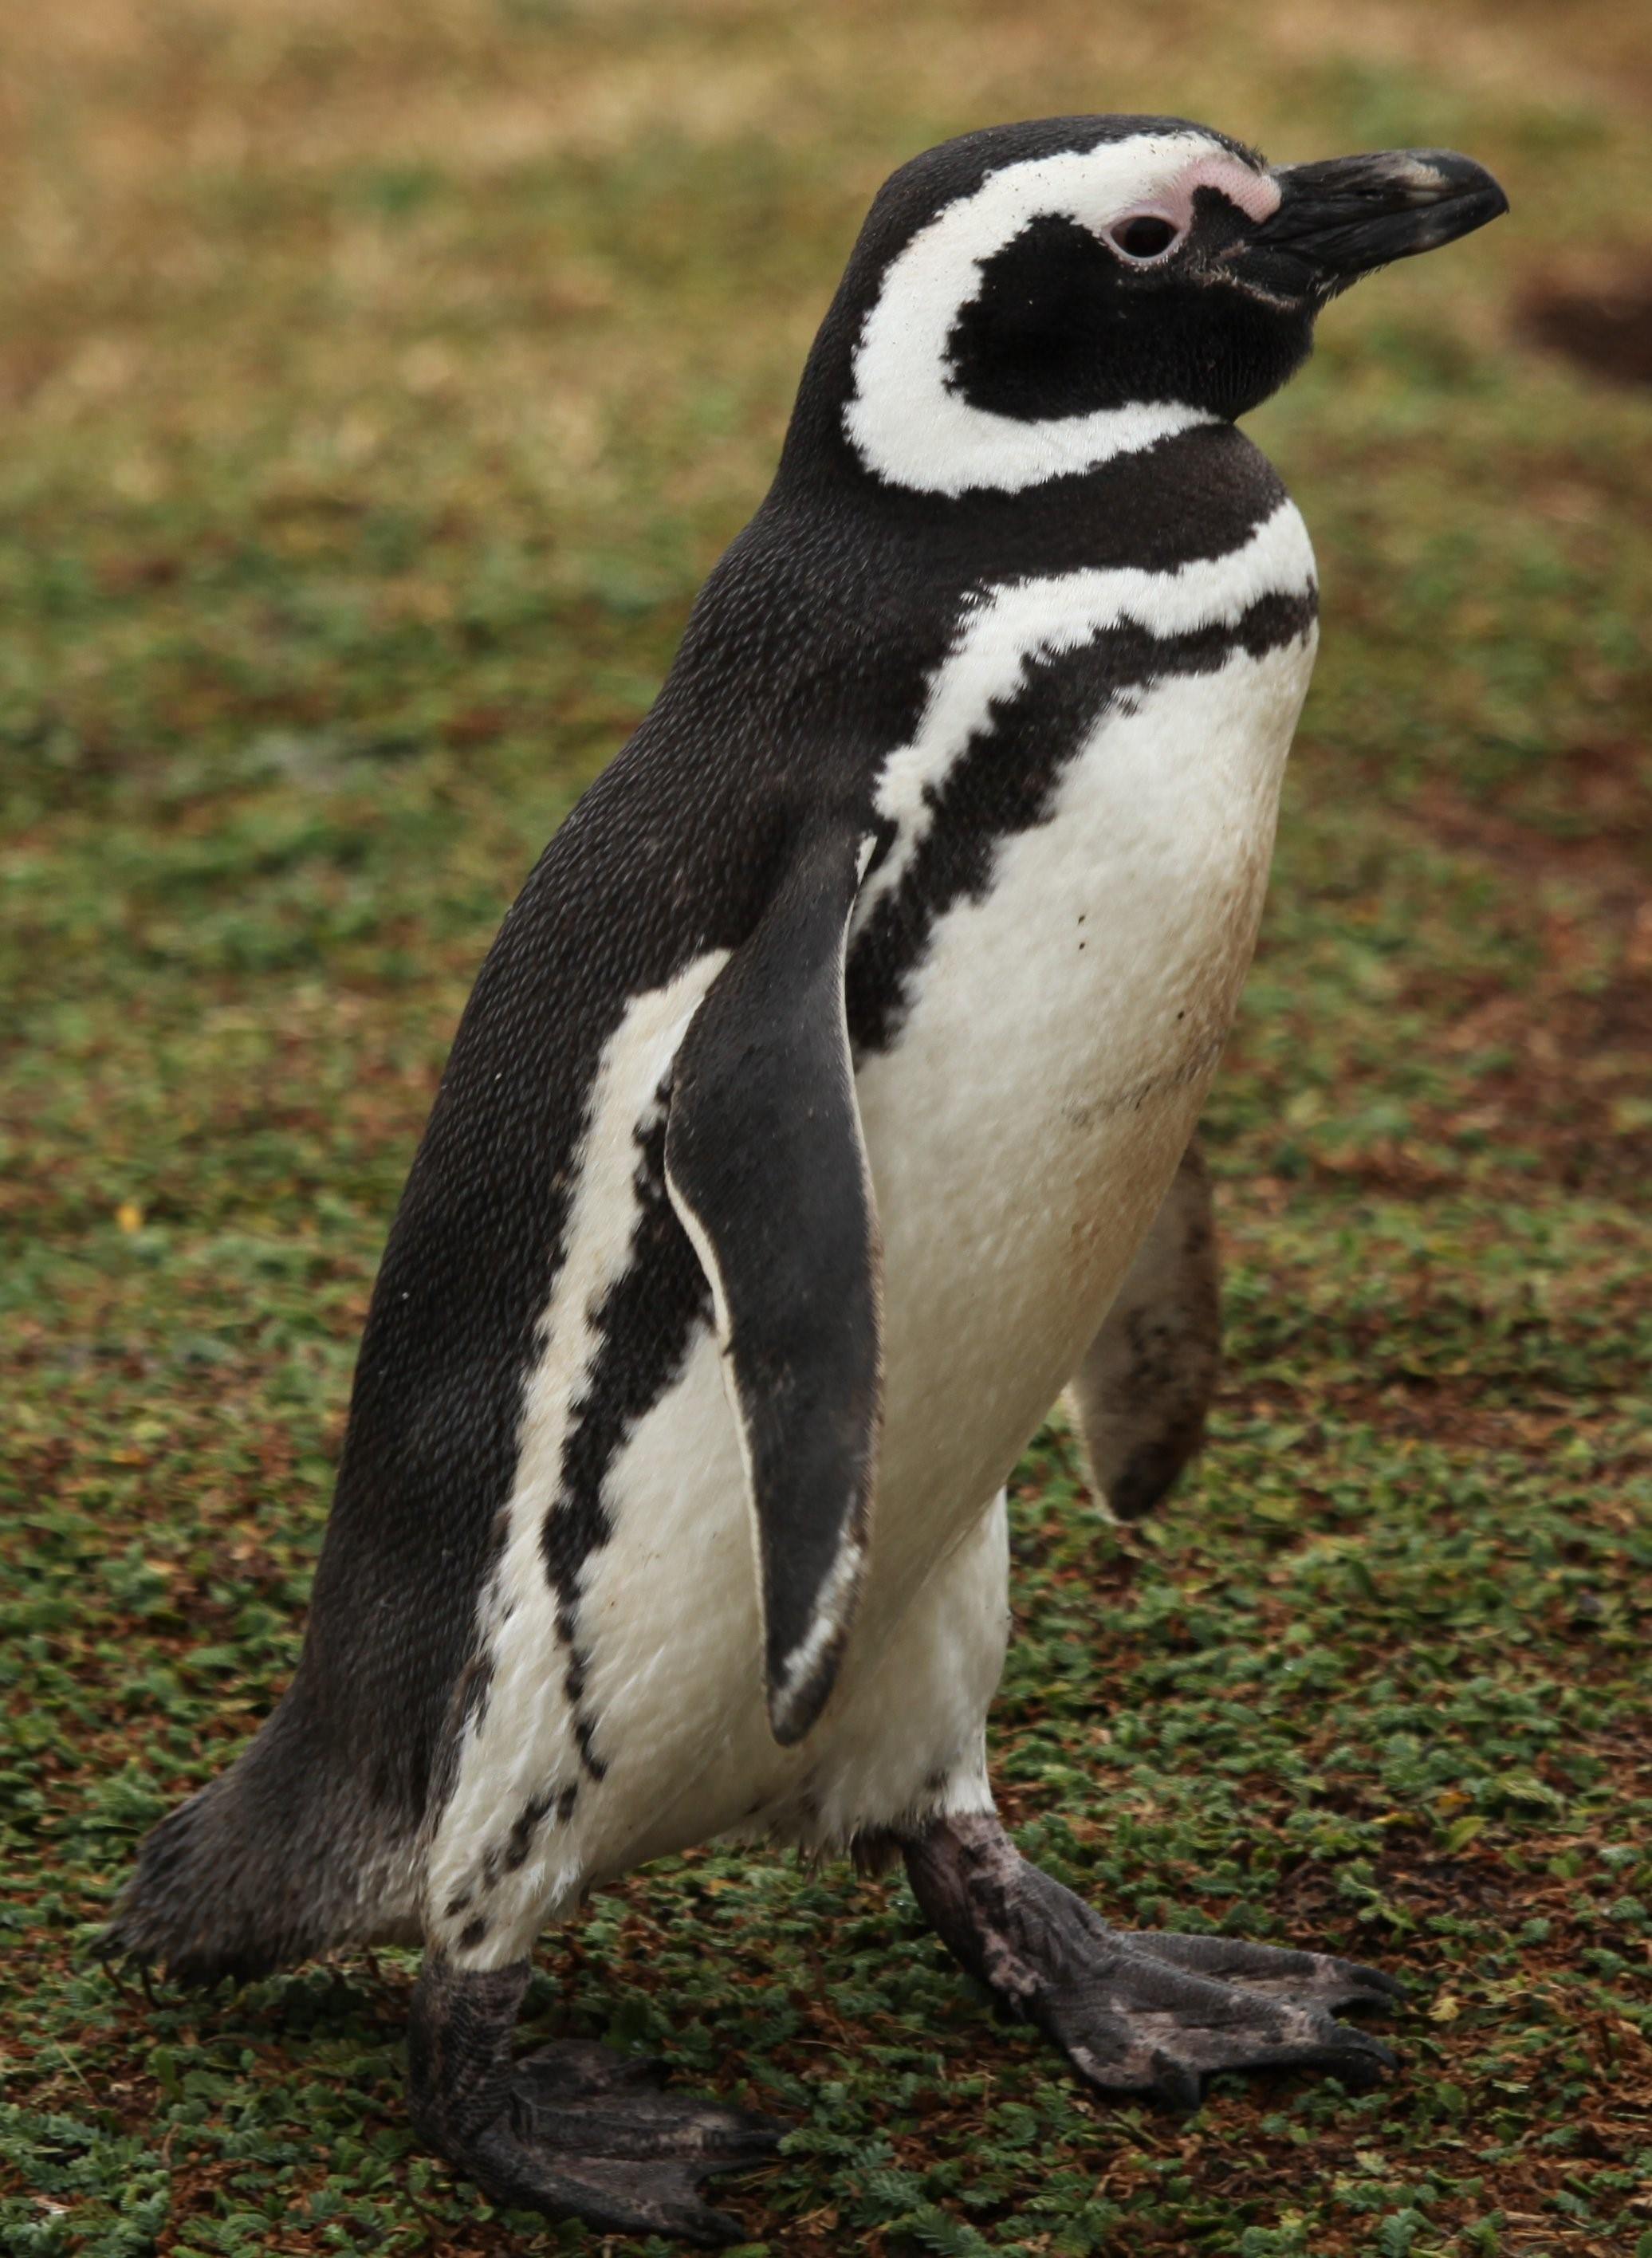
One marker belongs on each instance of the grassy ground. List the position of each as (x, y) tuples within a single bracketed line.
[(379, 382)]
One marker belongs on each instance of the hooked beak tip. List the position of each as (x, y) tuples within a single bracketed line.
[(1342, 218)]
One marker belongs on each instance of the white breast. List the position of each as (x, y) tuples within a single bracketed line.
[(1059, 1041)]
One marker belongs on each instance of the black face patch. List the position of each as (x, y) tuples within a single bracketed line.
[(1065, 325), (1042, 335)]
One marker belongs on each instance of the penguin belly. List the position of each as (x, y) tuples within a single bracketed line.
[(1022, 1128), (1052, 1065)]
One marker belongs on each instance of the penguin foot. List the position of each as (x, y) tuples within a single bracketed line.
[(1273, 1972), (571, 2130), (1137, 2011), (602, 2144)]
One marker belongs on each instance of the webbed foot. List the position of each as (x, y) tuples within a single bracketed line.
[(571, 2130), (1137, 2011)]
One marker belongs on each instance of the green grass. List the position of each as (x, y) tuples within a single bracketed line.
[(380, 383)]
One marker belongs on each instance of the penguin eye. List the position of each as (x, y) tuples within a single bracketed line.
[(1145, 236)]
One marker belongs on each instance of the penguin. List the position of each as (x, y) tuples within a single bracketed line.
[(1141, 1397), (811, 1110)]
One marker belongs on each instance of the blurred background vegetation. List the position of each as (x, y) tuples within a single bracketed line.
[(378, 380)]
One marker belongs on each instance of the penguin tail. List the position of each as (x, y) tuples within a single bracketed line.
[(265, 1866)]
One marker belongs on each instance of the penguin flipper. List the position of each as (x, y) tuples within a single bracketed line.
[(767, 1169), (1144, 1387)]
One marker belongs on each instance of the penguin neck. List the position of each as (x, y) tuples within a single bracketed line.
[(1189, 486)]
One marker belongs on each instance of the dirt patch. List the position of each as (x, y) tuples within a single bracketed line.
[(1603, 327), (1461, 1414), (1576, 1078), (1609, 822)]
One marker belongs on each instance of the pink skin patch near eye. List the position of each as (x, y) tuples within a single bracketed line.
[(1257, 194)]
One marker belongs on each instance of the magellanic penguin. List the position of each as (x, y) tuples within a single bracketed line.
[(809, 1111)]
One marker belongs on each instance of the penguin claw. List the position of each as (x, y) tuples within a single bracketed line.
[(1174, 2086), (1142, 2024), (574, 2067), (1270, 1970), (587, 2134), (1171, 2040), (572, 2130)]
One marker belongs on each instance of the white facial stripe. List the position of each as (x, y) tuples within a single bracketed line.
[(1005, 631), (907, 424)]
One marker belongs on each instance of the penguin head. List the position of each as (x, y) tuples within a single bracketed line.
[(1027, 301)]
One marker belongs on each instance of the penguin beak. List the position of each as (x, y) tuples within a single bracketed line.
[(1342, 219)]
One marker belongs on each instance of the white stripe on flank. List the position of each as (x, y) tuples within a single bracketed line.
[(1006, 630), (906, 420), (523, 1739)]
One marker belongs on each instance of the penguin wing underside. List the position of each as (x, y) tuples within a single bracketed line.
[(767, 1169)]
